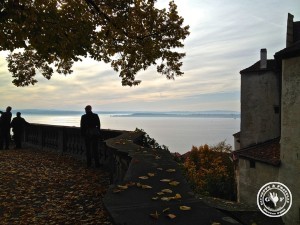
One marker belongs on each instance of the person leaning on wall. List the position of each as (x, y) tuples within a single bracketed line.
[(5, 128), (90, 130), (18, 124)]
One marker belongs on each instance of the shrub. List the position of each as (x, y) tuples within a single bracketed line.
[(149, 142), (210, 170)]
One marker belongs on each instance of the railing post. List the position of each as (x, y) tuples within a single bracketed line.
[(61, 140), (40, 137)]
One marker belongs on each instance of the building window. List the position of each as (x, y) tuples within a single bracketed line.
[(276, 109), (252, 164)]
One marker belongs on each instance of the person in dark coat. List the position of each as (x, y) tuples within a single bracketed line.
[(18, 124), (5, 128), (90, 130)]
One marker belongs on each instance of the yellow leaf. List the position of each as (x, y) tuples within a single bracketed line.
[(123, 187), (165, 199), (184, 208), (146, 186), (154, 198), (160, 193), (165, 180), (143, 177), (171, 216), (151, 174), (166, 191), (177, 196), (174, 183)]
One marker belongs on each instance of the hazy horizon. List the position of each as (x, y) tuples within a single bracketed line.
[(178, 133), (116, 113)]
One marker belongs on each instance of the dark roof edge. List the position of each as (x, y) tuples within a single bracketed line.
[(276, 164), (290, 52), (241, 151), (271, 66)]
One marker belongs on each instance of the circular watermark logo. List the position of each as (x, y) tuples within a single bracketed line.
[(274, 199)]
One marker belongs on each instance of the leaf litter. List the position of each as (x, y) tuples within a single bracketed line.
[(39, 187)]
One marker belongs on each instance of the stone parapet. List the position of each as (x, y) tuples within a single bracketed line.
[(147, 185)]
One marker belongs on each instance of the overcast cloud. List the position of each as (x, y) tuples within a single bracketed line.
[(226, 37)]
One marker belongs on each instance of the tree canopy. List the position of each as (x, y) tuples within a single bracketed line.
[(210, 170), (131, 35)]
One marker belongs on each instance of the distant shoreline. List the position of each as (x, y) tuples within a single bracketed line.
[(171, 114), (191, 115)]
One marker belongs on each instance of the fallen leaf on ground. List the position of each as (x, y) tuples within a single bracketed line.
[(165, 180), (167, 191), (123, 187), (41, 187), (171, 216), (146, 186), (151, 174), (177, 196), (174, 183), (184, 208), (143, 177), (170, 170)]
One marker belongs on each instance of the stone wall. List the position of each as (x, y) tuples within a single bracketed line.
[(290, 135), (260, 118), (68, 140), (250, 180)]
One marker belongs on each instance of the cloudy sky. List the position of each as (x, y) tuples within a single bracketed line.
[(226, 37)]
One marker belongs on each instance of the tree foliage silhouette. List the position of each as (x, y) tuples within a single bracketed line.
[(131, 35)]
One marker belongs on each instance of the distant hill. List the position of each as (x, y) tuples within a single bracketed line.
[(206, 114)]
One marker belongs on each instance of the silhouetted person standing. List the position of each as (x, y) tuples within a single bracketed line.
[(90, 130), (18, 124), (5, 128)]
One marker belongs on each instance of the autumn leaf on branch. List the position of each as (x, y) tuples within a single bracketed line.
[(131, 35)]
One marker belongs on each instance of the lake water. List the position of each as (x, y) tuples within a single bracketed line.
[(179, 134)]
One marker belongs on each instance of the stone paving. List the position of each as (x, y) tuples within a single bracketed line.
[(155, 192)]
